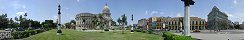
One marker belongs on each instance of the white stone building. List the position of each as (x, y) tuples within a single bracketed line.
[(84, 20)]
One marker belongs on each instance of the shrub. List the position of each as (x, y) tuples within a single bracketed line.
[(138, 30), (20, 34), (59, 31), (16, 34), (171, 36), (106, 29), (31, 32), (39, 31), (24, 34), (143, 31), (149, 32)]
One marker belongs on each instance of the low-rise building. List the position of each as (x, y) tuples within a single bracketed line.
[(195, 23), (142, 23)]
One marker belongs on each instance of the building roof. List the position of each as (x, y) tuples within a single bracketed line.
[(85, 14), (216, 9), (106, 9)]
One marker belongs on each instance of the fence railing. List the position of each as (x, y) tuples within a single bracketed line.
[(5, 35)]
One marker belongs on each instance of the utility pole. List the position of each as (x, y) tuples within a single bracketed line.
[(59, 21), (186, 20), (132, 29)]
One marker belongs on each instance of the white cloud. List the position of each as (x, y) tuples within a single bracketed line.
[(234, 1), (146, 13), (78, 0), (153, 12), (161, 13), (20, 13), (240, 16), (182, 15), (72, 18), (54, 18), (23, 6), (227, 13), (66, 8), (17, 5), (179, 15)]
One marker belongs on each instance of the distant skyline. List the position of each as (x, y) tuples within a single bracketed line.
[(41, 10)]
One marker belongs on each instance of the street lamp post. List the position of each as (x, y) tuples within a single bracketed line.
[(186, 20), (132, 29), (59, 21)]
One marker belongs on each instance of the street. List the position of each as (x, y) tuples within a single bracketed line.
[(222, 35)]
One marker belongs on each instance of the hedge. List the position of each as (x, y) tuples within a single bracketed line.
[(171, 36), (137, 30), (149, 32), (24, 34)]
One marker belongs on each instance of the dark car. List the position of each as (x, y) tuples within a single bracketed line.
[(20, 29)]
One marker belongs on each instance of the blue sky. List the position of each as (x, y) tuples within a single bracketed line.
[(41, 10)]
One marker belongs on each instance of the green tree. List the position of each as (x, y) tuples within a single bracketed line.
[(73, 21), (3, 21), (124, 22), (49, 24), (119, 21), (113, 23), (72, 24), (68, 25)]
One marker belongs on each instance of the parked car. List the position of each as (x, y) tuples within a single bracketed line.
[(106, 29), (20, 29), (196, 31), (8, 29), (84, 29)]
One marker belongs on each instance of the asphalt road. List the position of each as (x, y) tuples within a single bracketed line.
[(222, 35)]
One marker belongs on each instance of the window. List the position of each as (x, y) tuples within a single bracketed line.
[(196, 22)]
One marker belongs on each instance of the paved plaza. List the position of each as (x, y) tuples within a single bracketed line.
[(222, 35)]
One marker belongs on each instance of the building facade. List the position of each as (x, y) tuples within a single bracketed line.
[(142, 23), (84, 20), (217, 20), (195, 23), (156, 23), (242, 26)]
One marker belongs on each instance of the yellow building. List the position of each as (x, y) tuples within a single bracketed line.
[(195, 23)]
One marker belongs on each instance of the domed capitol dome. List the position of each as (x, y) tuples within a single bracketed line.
[(106, 9)]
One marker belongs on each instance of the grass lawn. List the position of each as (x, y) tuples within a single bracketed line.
[(79, 35)]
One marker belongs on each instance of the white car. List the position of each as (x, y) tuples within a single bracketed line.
[(8, 29)]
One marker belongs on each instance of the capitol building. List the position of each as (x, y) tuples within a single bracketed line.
[(84, 20)]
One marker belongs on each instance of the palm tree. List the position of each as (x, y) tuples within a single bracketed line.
[(113, 23), (119, 21), (124, 22)]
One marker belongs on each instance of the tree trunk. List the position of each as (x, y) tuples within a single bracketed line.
[(124, 28)]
